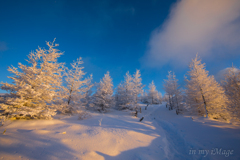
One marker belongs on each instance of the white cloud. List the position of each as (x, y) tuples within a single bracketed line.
[(221, 74), (203, 26)]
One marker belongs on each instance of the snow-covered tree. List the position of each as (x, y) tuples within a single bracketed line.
[(125, 95), (128, 91), (120, 97), (153, 94), (137, 85), (144, 97), (204, 95), (231, 84), (87, 101), (35, 87), (168, 86), (165, 98), (173, 91), (76, 88), (160, 97), (103, 98), (177, 94), (129, 87), (178, 99)]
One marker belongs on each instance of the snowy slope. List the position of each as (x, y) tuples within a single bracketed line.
[(120, 136), (161, 135), (205, 136)]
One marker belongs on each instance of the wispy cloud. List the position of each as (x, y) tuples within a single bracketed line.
[(221, 74), (203, 26)]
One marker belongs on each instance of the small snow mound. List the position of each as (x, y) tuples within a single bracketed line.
[(84, 115)]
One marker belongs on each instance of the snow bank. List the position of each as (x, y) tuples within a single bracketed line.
[(161, 135), (120, 136)]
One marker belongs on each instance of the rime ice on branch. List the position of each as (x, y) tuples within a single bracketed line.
[(36, 86), (204, 95), (128, 92), (76, 89), (103, 98), (153, 96), (173, 92), (231, 84)]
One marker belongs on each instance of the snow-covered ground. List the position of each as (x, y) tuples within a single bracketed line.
[(161, 135)]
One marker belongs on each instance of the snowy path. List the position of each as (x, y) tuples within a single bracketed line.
[(175, 144), (199, 138), (161, 135)]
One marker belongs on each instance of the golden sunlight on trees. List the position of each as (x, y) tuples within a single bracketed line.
[(36, 86), (205, 96)]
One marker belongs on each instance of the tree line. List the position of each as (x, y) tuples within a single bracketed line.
[(45, 86), (203, 95)]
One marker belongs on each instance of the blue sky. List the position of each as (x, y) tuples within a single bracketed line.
[(154, 36)]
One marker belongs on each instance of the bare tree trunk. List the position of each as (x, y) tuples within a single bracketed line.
[(170, 103), (69, 99), (136, 113), (177, 105), (205, 104), (70, 96), (102, 107)]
